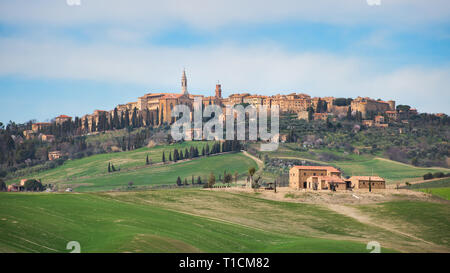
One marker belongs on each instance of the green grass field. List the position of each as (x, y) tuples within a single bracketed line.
[(47, 222), (98, 164), (91, 173), (352, 164), (441, 192), (167, 174), (426, 220), (439, 187)]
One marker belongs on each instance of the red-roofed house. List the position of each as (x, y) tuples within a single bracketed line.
[(362, 182), (325, 183), (62, 118), (298, 175)]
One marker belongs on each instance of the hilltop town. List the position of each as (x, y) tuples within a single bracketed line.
[(154, 109)]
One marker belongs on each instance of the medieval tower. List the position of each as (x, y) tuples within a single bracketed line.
[(218, 91), (184, 84)]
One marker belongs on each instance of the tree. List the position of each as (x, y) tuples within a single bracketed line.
[(170, 156), (227, 178), (113, 168), (134, 121), (349, 113), (310, 113), (109, 167), (130, 184), (147, 162), (163, 157), (115, 121), (235, 176), (127, 118), (211, 180), (179, 183), (186, 182), (251, 172), (199, 180), (427, 176), (2, 185), (33, 185)]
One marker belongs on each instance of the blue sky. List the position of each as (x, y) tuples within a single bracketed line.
[(61, 59)]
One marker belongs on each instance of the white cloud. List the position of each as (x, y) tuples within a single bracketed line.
[(207, 14), (258, 69)]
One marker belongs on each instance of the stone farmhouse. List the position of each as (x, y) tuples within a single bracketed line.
[(330, 178)]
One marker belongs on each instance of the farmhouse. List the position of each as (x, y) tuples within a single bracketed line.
[(330, 178), (326, 183), (15, 188), (298, 176), (366, 182), (54, 155)]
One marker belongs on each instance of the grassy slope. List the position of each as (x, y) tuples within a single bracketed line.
[(167, 174), (90, 173), (353, 164), (441, 192), (46, 222), (98, 164), (426, 220), (439, 187)]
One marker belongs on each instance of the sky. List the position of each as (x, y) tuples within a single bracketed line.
[(75, 56)]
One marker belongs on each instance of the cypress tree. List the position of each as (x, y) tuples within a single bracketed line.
[(127, 118), (146, 161), (115, 121), (179, 183), (163, 157), (109, 167)]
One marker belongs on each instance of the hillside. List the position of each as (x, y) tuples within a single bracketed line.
[(351, 164), (197, 220), (91, 173)]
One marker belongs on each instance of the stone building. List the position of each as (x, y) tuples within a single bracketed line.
[(36, 127), (326, 183), (330, 178), (298, 175), (367, 105), (54, 155), (362, 182), (62, 118)]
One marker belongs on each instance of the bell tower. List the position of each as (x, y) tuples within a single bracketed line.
[(184, 84), (218, 90)]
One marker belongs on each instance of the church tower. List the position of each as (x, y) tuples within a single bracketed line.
[(218, 90), (184, 84)]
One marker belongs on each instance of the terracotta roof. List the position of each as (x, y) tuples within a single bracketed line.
[(330, 178), (172, 96), (63, 116), (372, 178), (43, 123), (328, 168)]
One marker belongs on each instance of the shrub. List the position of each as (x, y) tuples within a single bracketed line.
[(33, 185), (427, 176), (438, 175)]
